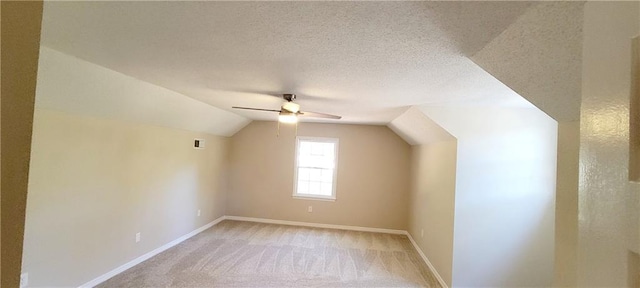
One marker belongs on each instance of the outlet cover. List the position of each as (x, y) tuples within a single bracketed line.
[(137, 237)]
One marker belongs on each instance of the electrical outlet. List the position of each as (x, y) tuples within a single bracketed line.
[(24, 280), (422, 233), (137, 237), (310, 209), (198, 212)]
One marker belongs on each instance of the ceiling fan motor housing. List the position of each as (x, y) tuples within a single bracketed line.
[(289, 97), (290, 108)]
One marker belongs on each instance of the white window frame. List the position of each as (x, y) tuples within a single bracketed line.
[(336, 142)]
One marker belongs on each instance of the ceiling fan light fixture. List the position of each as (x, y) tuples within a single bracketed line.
[(288, 118), (290, 111), (291, 107)]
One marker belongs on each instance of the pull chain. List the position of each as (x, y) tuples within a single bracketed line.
[(278, 132)]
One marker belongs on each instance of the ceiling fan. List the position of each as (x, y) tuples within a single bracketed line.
[(289, 112)]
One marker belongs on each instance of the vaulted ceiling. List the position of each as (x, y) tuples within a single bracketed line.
[(366, 61)]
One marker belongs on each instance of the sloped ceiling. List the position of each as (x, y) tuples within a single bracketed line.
[(539, 56), (68, 84), (417, 129), (366, 61), (421, 124), (468, 25)]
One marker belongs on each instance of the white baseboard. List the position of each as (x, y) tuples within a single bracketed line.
[(317, 225), (164, 247), (426, 260), (146, 256)]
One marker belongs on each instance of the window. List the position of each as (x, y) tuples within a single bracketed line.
[(316, 163)]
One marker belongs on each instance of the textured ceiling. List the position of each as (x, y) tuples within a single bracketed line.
[(366, 61), (540, 57), (416, 128)]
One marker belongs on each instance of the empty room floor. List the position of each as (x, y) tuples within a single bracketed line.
[(248, 254)]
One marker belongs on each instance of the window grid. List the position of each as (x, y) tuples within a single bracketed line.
[(315, 167)]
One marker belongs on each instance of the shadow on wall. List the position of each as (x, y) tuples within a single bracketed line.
[(505, 206), (504, 198)]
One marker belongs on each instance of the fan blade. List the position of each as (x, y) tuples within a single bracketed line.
[(256, 109), (318, 115)]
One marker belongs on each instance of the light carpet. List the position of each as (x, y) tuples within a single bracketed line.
[(248, 254)]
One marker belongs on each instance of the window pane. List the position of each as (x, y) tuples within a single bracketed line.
[(316, 154), (327, 175), (303, 173), (303, 187), (317, 149), (328, 151), (315, 161), (325, 189), (314, 188), (305, 148), (315, 175)]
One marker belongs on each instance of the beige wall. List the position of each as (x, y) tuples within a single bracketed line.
[(609, 204), (95, 183), (20, 44), (566, 226), (372, 183), (432, 201)]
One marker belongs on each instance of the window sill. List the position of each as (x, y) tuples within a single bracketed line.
[(310, 197)]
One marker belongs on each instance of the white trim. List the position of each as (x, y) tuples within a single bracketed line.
[(426, 260), (148, 255), (336, 142), (313, 198), (317, 225)]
